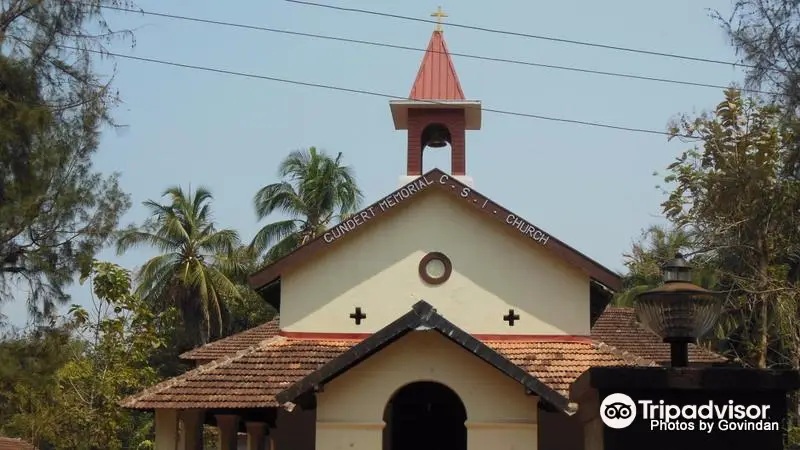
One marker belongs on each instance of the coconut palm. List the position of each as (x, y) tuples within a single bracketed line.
[(191, 271), (657, 246), (315, 190)]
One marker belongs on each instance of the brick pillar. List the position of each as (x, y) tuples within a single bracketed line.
[(414, 157), (228, 425), (458, 154)]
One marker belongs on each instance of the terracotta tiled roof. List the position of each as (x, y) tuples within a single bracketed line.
[(619, 328), (559, 364), (232, 344), (14, 444), (247, 379), (252, 377)]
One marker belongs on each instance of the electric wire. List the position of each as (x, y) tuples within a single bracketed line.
[(423, 50), (371, 93), (526, 35)]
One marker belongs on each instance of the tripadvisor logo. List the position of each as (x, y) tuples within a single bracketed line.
[(620, 411)]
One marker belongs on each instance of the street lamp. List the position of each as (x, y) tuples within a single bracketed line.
[(679, 311)]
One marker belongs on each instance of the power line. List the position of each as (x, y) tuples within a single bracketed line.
[(371, 93), (417, 49), (527, 35)]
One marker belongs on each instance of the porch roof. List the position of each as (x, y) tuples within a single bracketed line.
[(254, 376)]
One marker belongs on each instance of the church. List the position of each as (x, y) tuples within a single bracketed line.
[(434, 318)]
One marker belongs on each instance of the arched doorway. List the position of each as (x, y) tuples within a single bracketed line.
[(425, 415)]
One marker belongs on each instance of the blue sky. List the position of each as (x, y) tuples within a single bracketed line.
[(591, 188)]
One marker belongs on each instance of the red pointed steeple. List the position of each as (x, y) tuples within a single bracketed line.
[(437, 78), (436, 114)]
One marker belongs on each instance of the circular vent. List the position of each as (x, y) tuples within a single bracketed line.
[(435, 268)]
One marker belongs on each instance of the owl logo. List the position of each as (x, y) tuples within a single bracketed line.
[(618, 411)]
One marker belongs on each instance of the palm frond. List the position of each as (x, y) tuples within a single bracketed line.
[(283, 248), (278, 197), (272, 233)]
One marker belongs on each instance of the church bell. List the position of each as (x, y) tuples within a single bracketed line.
[(436, 136)]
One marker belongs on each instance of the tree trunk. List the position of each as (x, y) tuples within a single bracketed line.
[(763, 333), (762, 303)]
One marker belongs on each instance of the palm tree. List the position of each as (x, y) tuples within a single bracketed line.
[(315, 189), (191, 271), (657, 246), (249, 308)]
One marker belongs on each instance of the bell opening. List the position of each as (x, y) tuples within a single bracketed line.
[(435, 136)]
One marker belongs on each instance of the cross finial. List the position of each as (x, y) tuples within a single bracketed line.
[(439, 14)]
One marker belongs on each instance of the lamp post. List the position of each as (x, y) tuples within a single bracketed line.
[(679, 311)]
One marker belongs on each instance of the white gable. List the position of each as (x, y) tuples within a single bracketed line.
[(493, 270)]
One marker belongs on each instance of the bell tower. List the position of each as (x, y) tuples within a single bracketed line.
[(436, 113)]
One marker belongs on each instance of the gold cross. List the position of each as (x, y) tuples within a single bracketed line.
[(439, 14)]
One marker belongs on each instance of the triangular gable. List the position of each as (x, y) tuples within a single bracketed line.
[(437, 179), (421, 317)]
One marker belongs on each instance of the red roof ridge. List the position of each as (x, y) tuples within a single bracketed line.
[(437, 179), (130, 401), (437, 78)]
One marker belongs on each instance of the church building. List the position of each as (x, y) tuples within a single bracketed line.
[(434, 318)]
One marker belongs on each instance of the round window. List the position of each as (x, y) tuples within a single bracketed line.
[(435, 268)]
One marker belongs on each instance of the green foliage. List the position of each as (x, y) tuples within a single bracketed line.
[(249, 309), (56, 212), (29, 366), (734, 194), (60, 387), (190, 272), (657, 246), (315, 190), (120, 335)]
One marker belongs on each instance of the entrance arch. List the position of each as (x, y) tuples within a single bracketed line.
[(425, 415)]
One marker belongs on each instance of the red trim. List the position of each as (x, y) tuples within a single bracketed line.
[(480, 337)]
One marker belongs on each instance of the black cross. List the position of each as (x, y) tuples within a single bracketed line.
[(358, 316), (511, 317)]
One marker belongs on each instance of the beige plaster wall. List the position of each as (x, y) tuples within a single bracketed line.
[(350, 410), (495, 269)]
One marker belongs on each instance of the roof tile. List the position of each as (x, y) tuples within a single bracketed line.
[(619, 328), (7, 443), (232, 344), (252, 377)]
